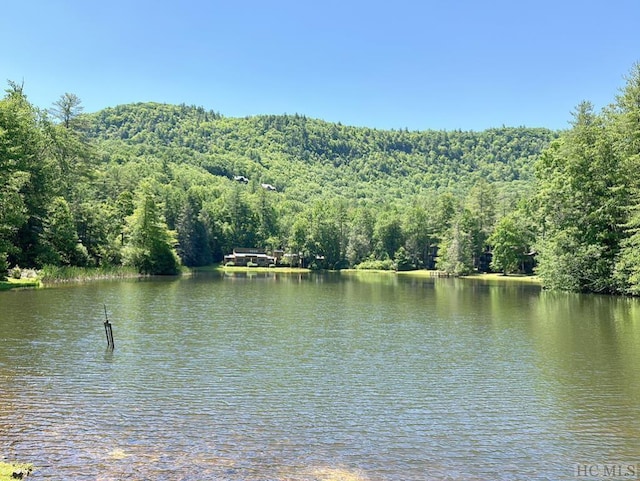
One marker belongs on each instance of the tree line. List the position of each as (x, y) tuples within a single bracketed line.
[(156, 186)]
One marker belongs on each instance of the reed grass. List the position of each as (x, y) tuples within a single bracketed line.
[(51, 274)]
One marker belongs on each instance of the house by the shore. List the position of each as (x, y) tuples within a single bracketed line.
[(246, 256)]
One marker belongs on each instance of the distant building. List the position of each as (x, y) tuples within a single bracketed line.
[(278, 254), (293, 259), (242, 256)]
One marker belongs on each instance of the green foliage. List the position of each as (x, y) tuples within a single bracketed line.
[(307, 157), (22, 190), (60, 239), (342, 193), (510, 242), (402, 260), (375, 264), (51, 273), (15, 272), (388, 234), (66, 109), (582, 187), (136, 183), (4, 266), (193, 237), (151, 244), (360, 237), (626, 126), (627, 269), (456, 251)]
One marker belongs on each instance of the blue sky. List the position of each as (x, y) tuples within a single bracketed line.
[(420, 65)]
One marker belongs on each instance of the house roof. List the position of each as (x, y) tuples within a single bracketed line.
[(248, 250)]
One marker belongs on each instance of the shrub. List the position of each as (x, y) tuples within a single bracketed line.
[(4, 266), (375, 264), (15, 273)]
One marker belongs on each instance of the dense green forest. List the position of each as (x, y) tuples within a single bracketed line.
[(156, 186)]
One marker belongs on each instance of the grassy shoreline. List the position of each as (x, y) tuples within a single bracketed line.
[(7, 471), (495, 276), (56, 275), (53, 274), (428, 274), (19, 283), (221, 268)]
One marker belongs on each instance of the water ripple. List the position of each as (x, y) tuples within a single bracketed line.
[(259, 380)]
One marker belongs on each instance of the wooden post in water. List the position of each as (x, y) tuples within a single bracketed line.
[(108, 330)]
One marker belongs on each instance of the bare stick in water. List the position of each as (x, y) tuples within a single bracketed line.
[(108, 329)]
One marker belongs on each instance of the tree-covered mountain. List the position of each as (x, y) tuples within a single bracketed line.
[(313, 158), (325, 178), (82, 186), (152, 185)]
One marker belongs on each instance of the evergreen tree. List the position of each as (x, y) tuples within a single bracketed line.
[(66, 109), (402, 260), (151, 244), (627, 269), (26, 182), (627, 130), (456, 251), (360, 241), (193, 240), (580, 192), (61, 242), (420, 235)]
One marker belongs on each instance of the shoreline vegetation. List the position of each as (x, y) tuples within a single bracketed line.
[(13, 471), (19, 283), (418, 273), (51, 275), (433, 274), (182, 186), (55, 274)]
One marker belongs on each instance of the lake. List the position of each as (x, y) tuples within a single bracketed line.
[(329, 377)]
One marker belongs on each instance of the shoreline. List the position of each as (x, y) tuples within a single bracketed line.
[(12, 471), (433, 274), (61, 275), (284, 270), (20, 284), (498, 277)]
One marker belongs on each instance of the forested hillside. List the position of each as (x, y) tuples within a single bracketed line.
[(155, 185), (313, 157), (342, 194)]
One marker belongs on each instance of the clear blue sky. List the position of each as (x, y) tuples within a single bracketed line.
[(426, 64)]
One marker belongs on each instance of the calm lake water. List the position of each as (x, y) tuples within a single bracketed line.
[(318, 377)]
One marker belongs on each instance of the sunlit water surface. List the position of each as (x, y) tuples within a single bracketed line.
[(317, 377)]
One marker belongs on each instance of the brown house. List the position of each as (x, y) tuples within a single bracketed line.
[(244, 256)]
